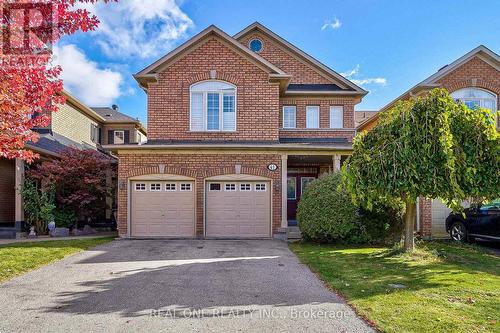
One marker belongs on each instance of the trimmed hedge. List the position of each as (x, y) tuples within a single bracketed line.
[(326, 214)]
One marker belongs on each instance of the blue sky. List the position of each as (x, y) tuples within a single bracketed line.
[(386, 46)]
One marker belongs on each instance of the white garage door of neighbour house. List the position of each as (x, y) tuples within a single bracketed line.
[(162, 209), (439, 214), (238, 209)]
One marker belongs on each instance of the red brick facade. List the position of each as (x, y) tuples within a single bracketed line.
[(286, 60), (257, 99), (199, 167)]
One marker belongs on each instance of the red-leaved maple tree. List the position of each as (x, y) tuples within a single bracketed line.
[(30, 88), (81, 179)]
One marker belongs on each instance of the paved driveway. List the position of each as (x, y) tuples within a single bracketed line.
[(175, 286)]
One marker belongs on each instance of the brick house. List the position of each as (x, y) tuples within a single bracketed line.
[(237, 128), (473, 79), (75, 125)]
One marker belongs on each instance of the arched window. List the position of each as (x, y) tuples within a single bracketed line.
[(213, 106), (474, 98)]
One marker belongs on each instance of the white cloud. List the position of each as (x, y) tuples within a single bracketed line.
[(84, 79), (353, 76), (139, 28), (375, 80), (334, 24)]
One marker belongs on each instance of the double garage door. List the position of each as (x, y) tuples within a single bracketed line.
[(233, 209)]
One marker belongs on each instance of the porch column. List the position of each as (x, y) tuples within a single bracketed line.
[(336, 163), (19, 179), (284, 191)]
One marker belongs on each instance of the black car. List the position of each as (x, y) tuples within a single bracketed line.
[(479, 222)]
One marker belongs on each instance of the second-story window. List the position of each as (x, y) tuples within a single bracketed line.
[(213, 106), (312, 116), (289, 116), (336, 116), (119, 137)]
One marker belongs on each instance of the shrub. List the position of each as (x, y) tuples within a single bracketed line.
[(326, 214), (65, 218), (38, 205)]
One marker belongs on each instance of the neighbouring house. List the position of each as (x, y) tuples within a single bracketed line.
[(473, 79), (363, 116), (73, 125), (237, 128)]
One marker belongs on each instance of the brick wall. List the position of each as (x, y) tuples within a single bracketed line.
[(257, 105), (74, 125), (282, 58), (199, 167), (425, 207), (7, 190)]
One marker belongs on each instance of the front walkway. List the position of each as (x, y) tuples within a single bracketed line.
[(175, 286)]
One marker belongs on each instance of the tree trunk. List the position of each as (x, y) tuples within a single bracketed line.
[(410, 215)]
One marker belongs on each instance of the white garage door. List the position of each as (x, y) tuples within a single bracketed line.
[(439, 214), (238, 209), (162, 209)]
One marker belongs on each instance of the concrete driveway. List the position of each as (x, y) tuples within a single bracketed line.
[(175, 286)]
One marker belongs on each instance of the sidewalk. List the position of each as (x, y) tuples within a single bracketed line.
[(48, 238)]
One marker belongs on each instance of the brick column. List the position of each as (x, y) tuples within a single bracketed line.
[(425, 218)]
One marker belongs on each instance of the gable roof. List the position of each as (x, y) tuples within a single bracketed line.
[(149, 73), (481, 51), (303, 55), (112, 116)]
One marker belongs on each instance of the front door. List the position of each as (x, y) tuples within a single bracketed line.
[(296, 185)]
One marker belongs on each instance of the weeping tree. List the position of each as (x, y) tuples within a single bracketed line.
[(428, 147)]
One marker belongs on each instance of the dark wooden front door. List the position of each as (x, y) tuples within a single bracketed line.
[(296, 184)]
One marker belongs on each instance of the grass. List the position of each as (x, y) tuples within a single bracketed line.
[(19, 258), (450, 287)]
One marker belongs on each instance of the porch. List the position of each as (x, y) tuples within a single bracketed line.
[(297, 172)]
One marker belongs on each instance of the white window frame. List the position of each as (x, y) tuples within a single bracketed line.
[(170, 187), (205, 93), (257, 185), (332, 109), (188, 187), (493, 97), (302, 183), (156, 189), (294, 107), (314, 108), (230, 187), (245, 187), (294, 188), (115, 138), (140, 187)]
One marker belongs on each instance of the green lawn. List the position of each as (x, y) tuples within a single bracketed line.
[(450, 287), (19, 258)]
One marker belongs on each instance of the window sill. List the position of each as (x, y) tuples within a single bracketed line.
[(214, 132), (316, 129)]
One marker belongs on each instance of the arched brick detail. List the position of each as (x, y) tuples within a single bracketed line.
[(220, 76), (481, 84), (172, 170)]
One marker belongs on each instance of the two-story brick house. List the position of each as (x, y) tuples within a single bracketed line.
[(237, 127), (473, 79), (73, 125)]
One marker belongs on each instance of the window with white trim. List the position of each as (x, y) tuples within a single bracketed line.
[(312, 116), (245, 187), (336, 116), (230, 187), (118, 137), (260, 187), (155, 187), (185, 187), (140, 187), (213, 106), (476, 98), (170, 187), (289, 116)]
